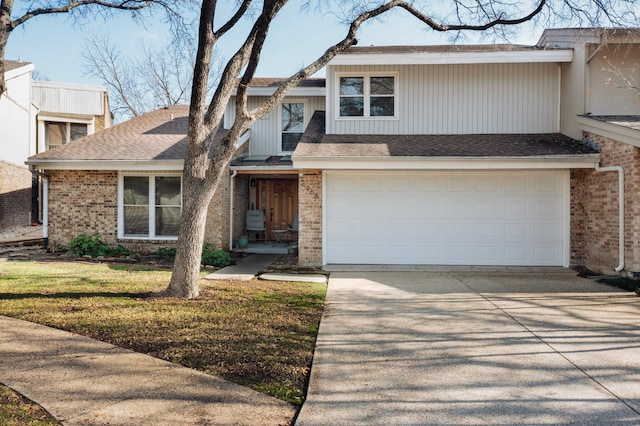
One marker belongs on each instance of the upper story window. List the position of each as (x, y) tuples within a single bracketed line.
[(150, 206), (292, 122), (367, 95), (58, 133)]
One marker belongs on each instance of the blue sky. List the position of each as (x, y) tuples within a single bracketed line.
[(55, 44)]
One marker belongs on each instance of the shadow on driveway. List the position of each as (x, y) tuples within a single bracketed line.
[(474, 348)]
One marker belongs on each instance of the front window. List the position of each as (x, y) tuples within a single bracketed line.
[(151, 206), (367, 96), (57, 133), (292, 125)]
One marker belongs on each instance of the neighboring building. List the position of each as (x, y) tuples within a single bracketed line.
[(459, 155), (36, 116), (17, 143), (68, 111)]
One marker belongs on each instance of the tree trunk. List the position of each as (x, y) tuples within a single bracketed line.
[(197, 194), (5, 30)]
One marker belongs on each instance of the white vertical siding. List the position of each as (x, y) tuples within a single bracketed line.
[(265, 135), (15, 119), (67, 99), (458, 99)]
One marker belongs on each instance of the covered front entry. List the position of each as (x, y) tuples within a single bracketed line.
[(452, 218), (278, 199)]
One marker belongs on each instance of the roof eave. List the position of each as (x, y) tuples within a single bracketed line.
[(129, 165), (611, 130), (296, 91), (434, 58), (448, 163)]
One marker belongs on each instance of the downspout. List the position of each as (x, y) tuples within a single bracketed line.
[(45, 212), (620, 171), (233, 175), (45, 205)]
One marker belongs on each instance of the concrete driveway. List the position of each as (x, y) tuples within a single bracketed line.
[(475, 348)]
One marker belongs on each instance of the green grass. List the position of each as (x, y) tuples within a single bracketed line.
[(257, 333), (16, 410)]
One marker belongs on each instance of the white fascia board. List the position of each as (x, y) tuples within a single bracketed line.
[(71, 86), (448, 58), (610, 130), (447, 163), (262, 168), (295, 92), (67, 119), (172, 165), (18, 71)]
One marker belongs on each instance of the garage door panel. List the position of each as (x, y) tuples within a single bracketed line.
[(446, 218)]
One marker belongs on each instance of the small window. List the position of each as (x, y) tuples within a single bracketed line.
[(351, 96), (367, 96), (57, 133), (382, 97), (292, 125), (151, 206)]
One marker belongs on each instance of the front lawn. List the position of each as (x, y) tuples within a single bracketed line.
[(256, 333)]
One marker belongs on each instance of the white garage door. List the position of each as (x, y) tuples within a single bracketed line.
[(446, 218)]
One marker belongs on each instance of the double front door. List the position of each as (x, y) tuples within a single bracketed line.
[(279, 200)]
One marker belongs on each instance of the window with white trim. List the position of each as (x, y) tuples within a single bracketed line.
[(60, 133), (367, 95), (292, 125), (151, 206)]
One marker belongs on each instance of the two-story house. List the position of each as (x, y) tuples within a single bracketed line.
[(454, 155), (36, 116)]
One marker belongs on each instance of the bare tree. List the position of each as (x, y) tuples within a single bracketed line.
[(155, 77), (205, 162), (15, 13)]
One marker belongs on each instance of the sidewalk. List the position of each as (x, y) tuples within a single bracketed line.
[(81, 381), (20, 234)]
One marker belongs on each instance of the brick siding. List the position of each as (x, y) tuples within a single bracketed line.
[(310, 218), (82, 202), (217, 228), (594, 210), (15, 195), (86, 202)]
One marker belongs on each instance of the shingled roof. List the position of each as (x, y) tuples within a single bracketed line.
[(12, 65), (158, 135), (315, 143)]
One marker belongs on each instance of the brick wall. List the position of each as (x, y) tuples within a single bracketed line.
[(86, 202), (310, 218), (217, 228), (594, 210), (82, 202), (15, 195)]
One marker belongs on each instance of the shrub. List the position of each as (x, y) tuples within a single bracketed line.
[(121, 251), (213, 257), (93, 246), (165, 253)]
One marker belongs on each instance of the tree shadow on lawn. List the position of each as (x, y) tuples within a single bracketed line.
[(76, 295)]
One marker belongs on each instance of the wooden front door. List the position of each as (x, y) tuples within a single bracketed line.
[(280, 200)]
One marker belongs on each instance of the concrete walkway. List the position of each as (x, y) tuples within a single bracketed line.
[(245, 270), (81, 381), (475, 348)]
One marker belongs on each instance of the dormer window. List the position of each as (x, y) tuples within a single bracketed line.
[(292, 125), (367, 96)]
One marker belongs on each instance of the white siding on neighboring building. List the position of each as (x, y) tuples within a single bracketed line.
[(459, 99), (16, 135), (265, 133), (69, 98)]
